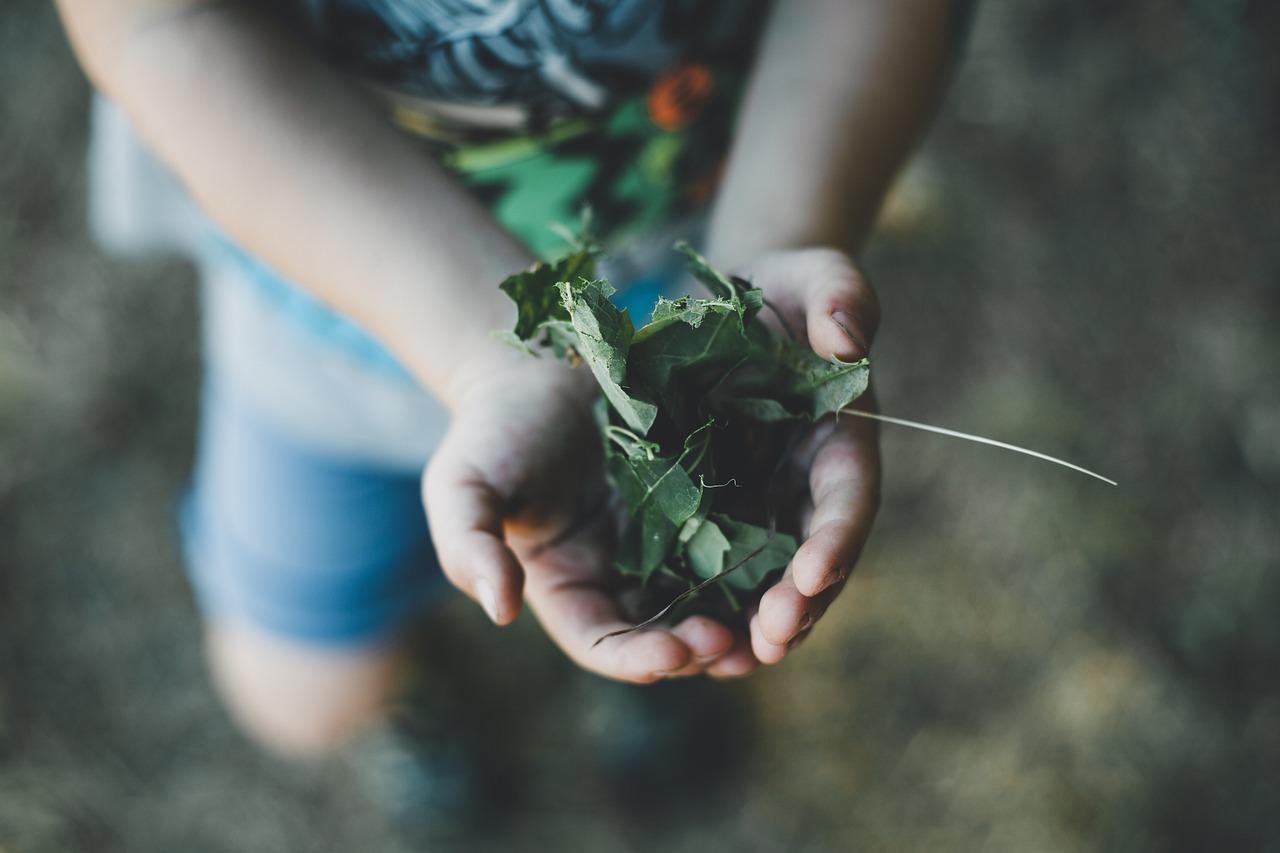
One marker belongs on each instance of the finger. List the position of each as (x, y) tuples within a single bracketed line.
[(785, 615), (564, 590), (708, 641), (466, 519), (737, 662), (844, 483), (841, 310), (765, 652), (577, 615)]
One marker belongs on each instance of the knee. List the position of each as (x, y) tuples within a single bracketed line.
[(295, 699)]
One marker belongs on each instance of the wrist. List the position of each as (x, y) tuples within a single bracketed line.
[(493, 366), (735, 245)]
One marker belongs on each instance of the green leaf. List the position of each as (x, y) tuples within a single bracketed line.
[(685, 309), (706, 548), (716, 543), (701, 335), (645, 543), (720, 285), (536, 292), (661, 498), (827, 386), (759, 409), (659, 484), (512, 340), (797, 380), (659, 493), (777, 552), (604, 338), (562, 338)]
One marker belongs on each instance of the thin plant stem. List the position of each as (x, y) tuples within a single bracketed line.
[(977, 438)]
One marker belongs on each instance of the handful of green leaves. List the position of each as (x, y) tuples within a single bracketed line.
[(699, 409)]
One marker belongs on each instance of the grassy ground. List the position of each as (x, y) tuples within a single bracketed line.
[(1084, 259)]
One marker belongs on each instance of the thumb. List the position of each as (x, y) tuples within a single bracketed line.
[(466, 516), (841, 310)]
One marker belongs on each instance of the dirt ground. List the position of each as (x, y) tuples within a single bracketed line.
[(1085, 258)]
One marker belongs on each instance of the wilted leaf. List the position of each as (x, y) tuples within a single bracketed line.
[(604, 338)]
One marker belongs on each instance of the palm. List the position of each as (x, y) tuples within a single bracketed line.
[(516, 496), (832, 492)]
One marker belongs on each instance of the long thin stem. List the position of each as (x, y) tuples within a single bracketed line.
[(686, 594), (979, 439)]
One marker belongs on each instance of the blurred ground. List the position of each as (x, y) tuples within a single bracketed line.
[(1085, 259)]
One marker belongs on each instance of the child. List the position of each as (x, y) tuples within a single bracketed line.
[(370, 170)]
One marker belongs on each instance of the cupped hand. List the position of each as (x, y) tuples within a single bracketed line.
[(518, 505), (822, 298)]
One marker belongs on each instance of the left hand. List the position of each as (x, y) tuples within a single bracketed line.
[(519, 508), (829, 305)]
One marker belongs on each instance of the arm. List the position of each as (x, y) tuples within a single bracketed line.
[(294, 165), (841, 93)]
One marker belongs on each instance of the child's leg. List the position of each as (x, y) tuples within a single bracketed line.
[(304, 531), (293, 698), (306, 567)]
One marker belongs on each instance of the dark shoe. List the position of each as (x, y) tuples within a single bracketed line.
[(670, 744), (431, 787), (428, 768)]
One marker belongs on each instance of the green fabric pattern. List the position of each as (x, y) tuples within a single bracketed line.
[(633, 173)]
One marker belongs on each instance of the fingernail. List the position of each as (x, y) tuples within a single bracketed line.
[(832, 577), (488, 598), (805, 624), (846, 322)]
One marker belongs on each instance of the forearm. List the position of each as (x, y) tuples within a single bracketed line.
[(841, 93), (296, 166)]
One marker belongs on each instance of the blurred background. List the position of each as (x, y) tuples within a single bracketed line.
[(1084, 258)]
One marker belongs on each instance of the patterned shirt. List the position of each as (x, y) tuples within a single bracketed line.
[(543, 106)]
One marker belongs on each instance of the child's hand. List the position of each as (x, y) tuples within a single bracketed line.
[(517, 500), (827, 303)]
